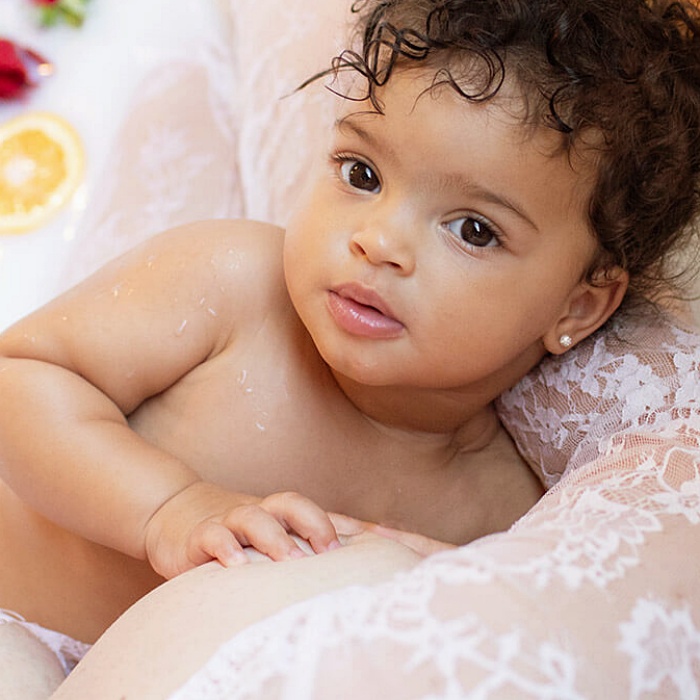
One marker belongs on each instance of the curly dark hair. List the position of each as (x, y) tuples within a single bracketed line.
[(625, 70)]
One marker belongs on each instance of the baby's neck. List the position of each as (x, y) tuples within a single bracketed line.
[(428, 416)]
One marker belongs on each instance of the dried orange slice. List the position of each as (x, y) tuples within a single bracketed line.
[(41, 165)]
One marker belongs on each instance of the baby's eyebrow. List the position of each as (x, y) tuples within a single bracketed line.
[(489, 196), (348, 125)]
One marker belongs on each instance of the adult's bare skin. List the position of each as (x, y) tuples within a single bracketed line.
[(176, 628), (34, 669)]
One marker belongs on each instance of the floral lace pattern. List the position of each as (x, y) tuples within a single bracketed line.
[(592, 594), (565, 413), (662, 644)]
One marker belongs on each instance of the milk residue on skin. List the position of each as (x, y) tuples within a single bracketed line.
[(118, 290), (210, 310), (181, 328), (235, 259), (260, 414)]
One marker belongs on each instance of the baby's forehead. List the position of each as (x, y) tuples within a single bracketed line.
[(413, 90)]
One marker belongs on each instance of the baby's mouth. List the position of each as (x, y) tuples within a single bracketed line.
[(360, 311), (365, 298)]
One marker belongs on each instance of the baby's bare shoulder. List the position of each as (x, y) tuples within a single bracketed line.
[(241, 233), (160, 309), (233, 245), (237, 263)]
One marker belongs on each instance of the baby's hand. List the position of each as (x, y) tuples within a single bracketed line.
[(352, 528), (206, 522)]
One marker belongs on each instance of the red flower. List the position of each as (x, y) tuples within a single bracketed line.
[(20, 68), (13, 74), (45, 2)]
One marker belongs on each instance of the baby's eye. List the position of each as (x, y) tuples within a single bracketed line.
[(474, 231), (359, 175)]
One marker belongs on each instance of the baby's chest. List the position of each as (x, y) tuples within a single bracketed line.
[(260, 423)]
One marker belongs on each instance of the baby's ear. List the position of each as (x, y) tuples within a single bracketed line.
[(590, 305)]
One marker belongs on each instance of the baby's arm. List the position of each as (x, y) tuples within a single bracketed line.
[(72, 371)]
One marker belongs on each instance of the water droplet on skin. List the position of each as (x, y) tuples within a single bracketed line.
[(181, 328), (260, 427), (241, 379), (234, 261), (210, 310), (150, 261)]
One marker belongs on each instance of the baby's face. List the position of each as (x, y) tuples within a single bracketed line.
[(440, 242)]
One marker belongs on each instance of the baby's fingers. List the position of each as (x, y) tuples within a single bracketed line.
[(302, 516), (420, 544), (211, 540), (255, 527)]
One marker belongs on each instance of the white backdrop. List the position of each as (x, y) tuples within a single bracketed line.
[(97, 70)]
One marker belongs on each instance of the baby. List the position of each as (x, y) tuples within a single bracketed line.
[(229, 384)]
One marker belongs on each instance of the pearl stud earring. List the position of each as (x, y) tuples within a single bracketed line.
[(565, 341)]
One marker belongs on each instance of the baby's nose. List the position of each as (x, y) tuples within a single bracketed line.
[(384, 246)]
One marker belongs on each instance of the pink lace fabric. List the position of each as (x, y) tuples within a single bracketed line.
[(594, 593), (610, 394)]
